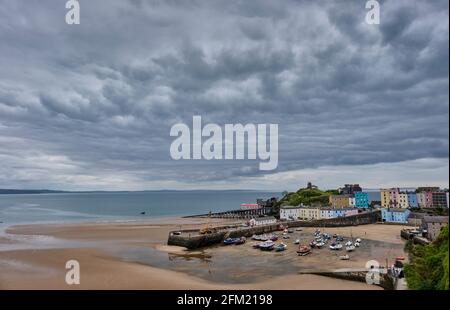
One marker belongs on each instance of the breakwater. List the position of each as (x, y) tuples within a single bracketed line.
[(384, 278), (192, 239)]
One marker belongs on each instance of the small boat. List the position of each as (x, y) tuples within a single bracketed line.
[(143, 213), (350, 248), (357, 244), (344, 257), (335, 246), (348, 243), (319, 245), (240, 240), (313, 244), (358, 240), (176, 233), (303, 250), (290, 231), (325, 236), (266, 246), (273, 238), (229, 241), (297, 241), (286, 237), (400, 258), (280, 247), (340, 239), (298, 229)]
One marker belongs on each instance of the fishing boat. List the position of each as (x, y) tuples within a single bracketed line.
[(313, 244), (344, 257), (280, 247), (358, 240), (297, 241), (325, 236), (266, 246), (303, 250), (348, 243), (335, 246), (357, 244), (350, 248), (229, 241), (319, 245), (273, 238)]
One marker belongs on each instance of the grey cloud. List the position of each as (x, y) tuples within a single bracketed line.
[(99, 99)]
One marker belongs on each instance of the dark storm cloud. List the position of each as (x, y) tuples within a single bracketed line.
[(91, 106)]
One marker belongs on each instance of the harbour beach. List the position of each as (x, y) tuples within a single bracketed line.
[(135, 255)]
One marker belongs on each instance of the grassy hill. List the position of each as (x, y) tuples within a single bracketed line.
[(307, 196), (428, 269)]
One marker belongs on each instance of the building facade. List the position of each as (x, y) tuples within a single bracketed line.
[(308, 214), (403, 200), (412, 199), (361, 200), (439, 199), (389, 197), (290, 212), (395, 215), (350, 189), (351, 202), (424, 199), (339, 201), (434, 225)]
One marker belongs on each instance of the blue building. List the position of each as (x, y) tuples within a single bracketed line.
[(395, 215), (338, 212), (361, 200), (412, 200)]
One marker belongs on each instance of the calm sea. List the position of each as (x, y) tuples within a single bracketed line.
[(119, 206)]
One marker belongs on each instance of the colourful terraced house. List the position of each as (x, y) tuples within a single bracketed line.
[(361, 200)]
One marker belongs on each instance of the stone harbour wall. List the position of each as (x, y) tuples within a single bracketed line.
[(191, 239)]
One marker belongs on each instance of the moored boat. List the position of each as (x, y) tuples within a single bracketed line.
[(240, 240), (297, 241), (280, 247), (229, 241), (344, 257), (303, 250), (350, 248), (266, 246)]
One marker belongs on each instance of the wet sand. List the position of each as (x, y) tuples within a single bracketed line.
[(135, 256)]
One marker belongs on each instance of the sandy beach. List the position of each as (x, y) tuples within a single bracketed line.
[(135, 256)]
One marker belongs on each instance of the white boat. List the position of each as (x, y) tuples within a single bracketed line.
[(358, 240), (297, 241), (357, 244), (350, 248), (335, 246), (344, 257), (348, 243), (319, 245)]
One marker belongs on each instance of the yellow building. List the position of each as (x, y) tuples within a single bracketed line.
[(390, 197), (403, 201), (309, 214), (339, 201)]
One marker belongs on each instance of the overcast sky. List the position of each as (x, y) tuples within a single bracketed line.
[(90, 106)]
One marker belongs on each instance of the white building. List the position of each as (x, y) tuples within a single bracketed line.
[(258, 221), (309, 214), (290, 212), (351, 202)]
